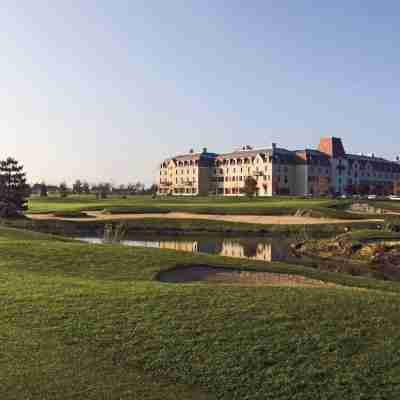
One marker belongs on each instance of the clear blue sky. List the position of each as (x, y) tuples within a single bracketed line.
[(104, 90)]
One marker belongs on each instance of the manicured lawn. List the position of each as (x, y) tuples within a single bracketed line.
[(202, 205), (193, 204), (81, 321)]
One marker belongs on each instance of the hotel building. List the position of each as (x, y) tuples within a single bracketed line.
[(278, 171)]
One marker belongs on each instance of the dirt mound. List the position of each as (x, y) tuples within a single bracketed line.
[(206, 273)]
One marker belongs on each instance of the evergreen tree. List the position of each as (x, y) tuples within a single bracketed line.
[(13, 188)]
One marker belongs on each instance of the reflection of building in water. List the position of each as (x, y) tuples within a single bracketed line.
[(190, 246), (259, 251)]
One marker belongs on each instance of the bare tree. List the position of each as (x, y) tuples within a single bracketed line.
[(77, 187), (63, 188), (250, 186), (85, 188), (43, 189)]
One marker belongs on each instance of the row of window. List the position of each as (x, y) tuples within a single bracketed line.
[(185, 191), (374, 174), (285, 179), (182, 181)]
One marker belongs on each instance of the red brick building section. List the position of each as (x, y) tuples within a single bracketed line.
[(396, 189), (332, 146)]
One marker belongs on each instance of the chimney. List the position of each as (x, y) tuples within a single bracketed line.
[(204, 149), (191, 151), (398, 159), (273, 147)]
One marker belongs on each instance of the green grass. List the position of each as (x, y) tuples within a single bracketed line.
[(368, 235), (80, 321), (220, 205)]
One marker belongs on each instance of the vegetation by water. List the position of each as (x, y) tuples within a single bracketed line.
[(90, 321), (184, 227)]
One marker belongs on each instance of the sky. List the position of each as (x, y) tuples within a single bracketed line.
[(105, 90)]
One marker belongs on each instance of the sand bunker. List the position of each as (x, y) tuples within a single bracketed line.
[(205, 273), (251, 219)]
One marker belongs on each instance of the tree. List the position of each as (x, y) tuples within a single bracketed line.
[(250, 186), (153, 189), (135, 188), (43, 190), (139, 187), (102, 190), (13, 188), (85, 188), (77, 187), (63, 190)]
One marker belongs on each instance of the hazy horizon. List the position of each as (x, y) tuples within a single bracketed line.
[(104, 91)]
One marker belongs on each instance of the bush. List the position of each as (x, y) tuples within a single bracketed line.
[(392, 224), (9, 210)]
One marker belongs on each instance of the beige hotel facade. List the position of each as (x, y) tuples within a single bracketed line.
[(326, 170)]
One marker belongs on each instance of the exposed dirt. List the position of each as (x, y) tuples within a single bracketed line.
[(251, 219), (206, 273)]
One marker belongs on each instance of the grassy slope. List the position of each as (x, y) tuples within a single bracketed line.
[(84, 321)]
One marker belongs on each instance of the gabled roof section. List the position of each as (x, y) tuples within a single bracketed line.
[(246, 153)]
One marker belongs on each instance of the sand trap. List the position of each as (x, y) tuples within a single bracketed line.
[(205, 273), (251, 219)]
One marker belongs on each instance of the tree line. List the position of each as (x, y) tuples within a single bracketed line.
[(14, 189), (101, 190)]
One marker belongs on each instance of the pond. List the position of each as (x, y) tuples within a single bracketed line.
[(264, 249)]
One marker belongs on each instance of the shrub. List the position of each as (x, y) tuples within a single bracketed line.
[(9, 210), (114, 234), (392, 224)]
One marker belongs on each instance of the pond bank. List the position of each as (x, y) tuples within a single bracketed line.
[(173, 227)]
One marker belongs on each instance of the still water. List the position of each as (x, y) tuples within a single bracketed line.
[(264, 249)]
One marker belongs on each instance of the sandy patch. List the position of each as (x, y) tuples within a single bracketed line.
[(251, 219), (204, 273)]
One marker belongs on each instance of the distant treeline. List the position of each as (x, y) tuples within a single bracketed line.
[(101, 190)]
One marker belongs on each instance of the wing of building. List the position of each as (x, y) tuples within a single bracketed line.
[(278, 171)]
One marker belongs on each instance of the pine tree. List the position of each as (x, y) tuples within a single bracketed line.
[(13, 188)]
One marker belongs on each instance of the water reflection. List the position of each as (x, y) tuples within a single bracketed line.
[(248, 248)]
